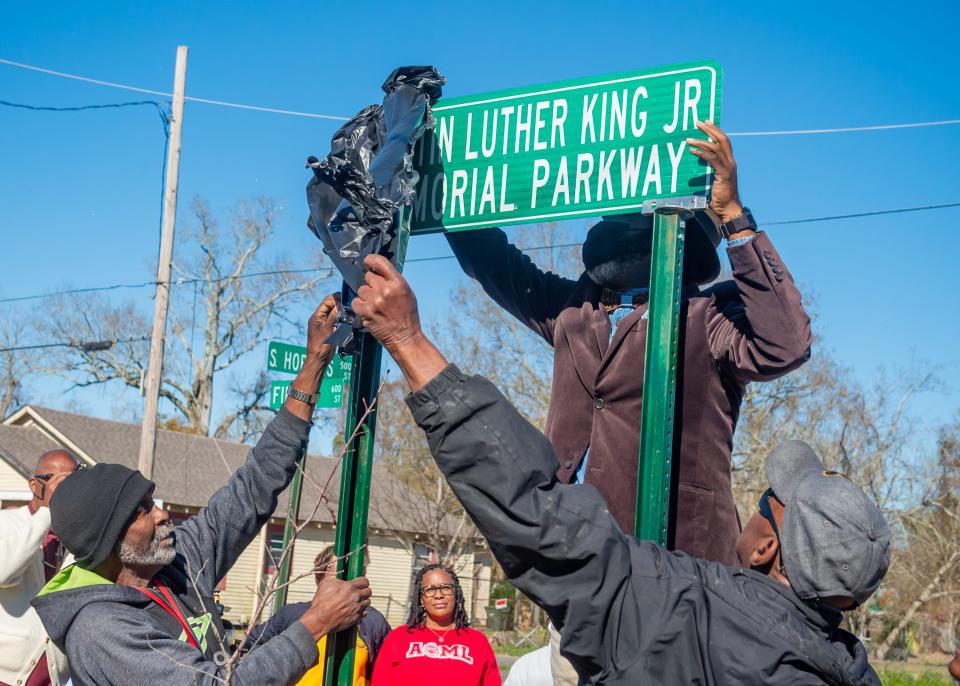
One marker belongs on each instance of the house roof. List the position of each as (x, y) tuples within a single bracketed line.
[(188, 469), (21, 446)]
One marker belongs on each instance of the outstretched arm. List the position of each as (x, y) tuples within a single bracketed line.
[(510, 277), (757, 328), (557, 543), (237, 511)]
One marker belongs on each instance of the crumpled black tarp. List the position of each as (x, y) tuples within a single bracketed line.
[(368, 176)]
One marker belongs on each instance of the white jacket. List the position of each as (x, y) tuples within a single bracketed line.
[(22, 637)]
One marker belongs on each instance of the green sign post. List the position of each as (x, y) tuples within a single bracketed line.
[(288, 359), (600, 145), (356, 473), (655, 467)]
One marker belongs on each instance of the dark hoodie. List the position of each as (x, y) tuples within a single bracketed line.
[(115, 635), (629, 612)]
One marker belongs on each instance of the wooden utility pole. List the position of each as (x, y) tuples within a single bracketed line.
[(148, 432)]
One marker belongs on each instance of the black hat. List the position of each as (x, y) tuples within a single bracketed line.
[(623, 234), (91, 508)]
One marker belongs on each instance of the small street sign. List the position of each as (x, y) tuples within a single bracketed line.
[(331, 393), (283, 357), (286, 358), (599, 145)]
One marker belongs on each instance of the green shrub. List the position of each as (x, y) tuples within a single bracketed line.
[(895, 678)]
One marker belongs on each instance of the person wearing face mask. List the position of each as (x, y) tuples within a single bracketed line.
[(137, 607), (751, 327)]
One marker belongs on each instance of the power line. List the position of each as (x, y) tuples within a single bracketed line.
[(436, 258), (136, 89), (847, 129), (160, 107), (89, 346), (864, 214), (155, 103), (73, 291), (174, 282)]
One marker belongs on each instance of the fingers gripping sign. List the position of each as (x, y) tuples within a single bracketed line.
[(320, 326), (386, 305), (718, 153)]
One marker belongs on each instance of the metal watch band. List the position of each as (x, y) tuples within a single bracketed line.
[(308, 398), (743, 222)]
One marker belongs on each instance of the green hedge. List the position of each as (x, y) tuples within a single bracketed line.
[(892, 677)]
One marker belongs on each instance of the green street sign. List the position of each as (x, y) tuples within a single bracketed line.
[(331, 393), (600, 145), (286, 358)]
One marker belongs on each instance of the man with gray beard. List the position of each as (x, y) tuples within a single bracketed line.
[(137, 607)]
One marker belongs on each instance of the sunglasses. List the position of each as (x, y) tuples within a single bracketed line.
[(144, 508), (46, 477), (766, 512)]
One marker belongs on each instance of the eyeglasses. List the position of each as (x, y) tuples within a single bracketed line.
[(437, 591), (46, 477)]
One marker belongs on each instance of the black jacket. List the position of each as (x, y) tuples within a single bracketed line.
[(630, 612)]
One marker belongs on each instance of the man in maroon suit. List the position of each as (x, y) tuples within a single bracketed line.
[(750, 328)]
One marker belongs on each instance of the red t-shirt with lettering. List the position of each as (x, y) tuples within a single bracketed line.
[(418, 656)]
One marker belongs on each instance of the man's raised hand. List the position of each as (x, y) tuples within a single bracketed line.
[(336, 605), (718, 153), (387, 307), (319, 353), (320, 326)]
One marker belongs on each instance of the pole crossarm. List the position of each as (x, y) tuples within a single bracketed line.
[(655, 489)]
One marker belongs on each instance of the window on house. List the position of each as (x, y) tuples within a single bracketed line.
[(423, 555), (274, 550)]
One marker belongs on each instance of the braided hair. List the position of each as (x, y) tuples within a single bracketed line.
[(418, 613)]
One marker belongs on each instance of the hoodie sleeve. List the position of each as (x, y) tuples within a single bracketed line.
[(557, 543), (131, 652), (533, 296), (235, 514)]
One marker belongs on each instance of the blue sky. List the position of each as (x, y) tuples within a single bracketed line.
[(79, 192)]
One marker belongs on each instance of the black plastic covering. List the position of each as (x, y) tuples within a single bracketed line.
[(357, 190)]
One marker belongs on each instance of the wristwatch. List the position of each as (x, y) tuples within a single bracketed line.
[(743, 222), (308, 398)]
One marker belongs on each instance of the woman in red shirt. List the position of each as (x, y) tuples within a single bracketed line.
[(436, 645)]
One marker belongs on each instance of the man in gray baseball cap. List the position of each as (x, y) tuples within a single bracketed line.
[(629, 611), (833, 544)]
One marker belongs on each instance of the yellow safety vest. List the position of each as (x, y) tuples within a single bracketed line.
[(314, 675)]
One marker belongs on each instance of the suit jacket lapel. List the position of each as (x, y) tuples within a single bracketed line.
[(599, 322), (626, 325)]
